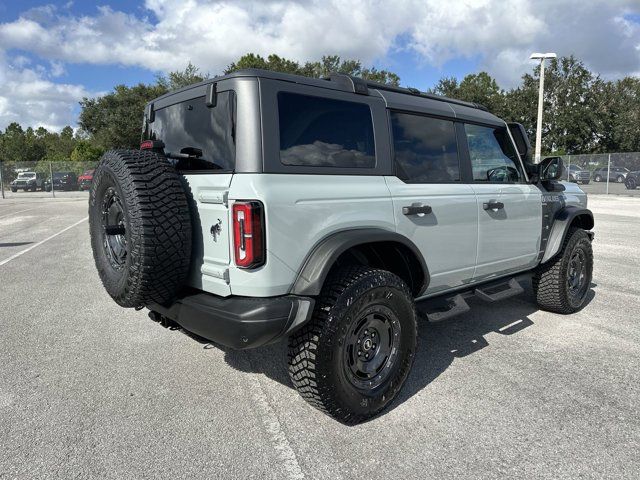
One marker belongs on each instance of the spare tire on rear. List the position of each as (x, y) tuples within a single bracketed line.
[(140, 227)]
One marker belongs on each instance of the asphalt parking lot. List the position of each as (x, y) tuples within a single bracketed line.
[(89, 390)]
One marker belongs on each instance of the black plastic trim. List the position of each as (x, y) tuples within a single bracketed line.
[(317, 265), (561, 222), (238, 322)]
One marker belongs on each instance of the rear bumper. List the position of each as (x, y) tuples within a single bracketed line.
[(239, 322)]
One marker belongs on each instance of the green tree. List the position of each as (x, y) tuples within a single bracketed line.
[(477, 88), (319, 69), (619, 108), (178, 79), (86, 151), (114, 120)]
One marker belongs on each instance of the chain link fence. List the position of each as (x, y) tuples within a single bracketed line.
[(605, 173), (602, 173), (45, 179)]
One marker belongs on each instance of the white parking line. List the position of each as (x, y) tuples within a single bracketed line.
[(20, 211), (22, 252)]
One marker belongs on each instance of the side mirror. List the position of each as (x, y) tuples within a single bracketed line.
[(519, 135), (551, 168)]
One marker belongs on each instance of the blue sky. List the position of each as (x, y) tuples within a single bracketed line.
[(54, 53)]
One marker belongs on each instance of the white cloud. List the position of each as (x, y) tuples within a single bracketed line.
[(28, 98), (212, 33)]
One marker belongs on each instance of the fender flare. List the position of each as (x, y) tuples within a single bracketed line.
[(561, 222), (316, 266)]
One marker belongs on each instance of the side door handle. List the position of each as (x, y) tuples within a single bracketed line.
[(493, 205), (416, 209)]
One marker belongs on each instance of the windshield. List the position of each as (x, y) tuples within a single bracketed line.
[(26, 175)]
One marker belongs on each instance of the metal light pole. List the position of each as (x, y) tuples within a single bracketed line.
[(541, 57)]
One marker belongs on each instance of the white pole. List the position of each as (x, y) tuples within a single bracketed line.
[(53, 193), (1, 180), (540, 101), (608, 173), (568, 167)]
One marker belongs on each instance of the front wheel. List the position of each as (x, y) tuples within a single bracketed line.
[(353, 357), (562, 284), (597, 178), (631, 183)]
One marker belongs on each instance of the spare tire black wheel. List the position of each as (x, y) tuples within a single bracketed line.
[(140, 227)]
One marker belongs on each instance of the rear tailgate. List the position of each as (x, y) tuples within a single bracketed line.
[(211, 232)]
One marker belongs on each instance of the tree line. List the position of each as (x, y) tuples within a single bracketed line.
[(583, 113)]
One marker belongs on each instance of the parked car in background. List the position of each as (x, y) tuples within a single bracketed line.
[(84, 180), (28, 181), (576, 174), (632, 180), (616, 174), (62, 181)]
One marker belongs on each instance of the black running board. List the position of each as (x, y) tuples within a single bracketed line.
[(442, 308), (496, 292)]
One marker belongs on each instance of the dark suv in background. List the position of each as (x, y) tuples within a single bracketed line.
[(576, 174), (616, 174), (62, 181)]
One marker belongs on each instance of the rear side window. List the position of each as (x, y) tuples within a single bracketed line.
[(323, 132), (425, 149), (493, 157), (195, 136)]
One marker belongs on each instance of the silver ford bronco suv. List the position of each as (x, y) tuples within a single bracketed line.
[(264, 206)]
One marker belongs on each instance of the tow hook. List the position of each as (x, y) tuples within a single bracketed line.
[(166, 322)]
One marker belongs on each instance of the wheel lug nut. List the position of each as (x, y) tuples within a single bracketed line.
[(359, 353), (366, 355), (373, 346), (366, 332)]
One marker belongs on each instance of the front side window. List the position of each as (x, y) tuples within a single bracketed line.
[(195, 136), (425, 149), (323, 132), (493, 158)]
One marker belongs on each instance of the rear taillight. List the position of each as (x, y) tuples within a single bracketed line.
[(248, 234)]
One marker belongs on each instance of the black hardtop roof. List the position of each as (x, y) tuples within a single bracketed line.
[(409, 97)]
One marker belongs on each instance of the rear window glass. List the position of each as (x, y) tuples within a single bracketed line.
[(425, 149), (195, 136), (322, 132)]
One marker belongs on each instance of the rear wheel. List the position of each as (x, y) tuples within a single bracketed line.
[(597, 178), (353, 357), (562, 284), (620, 179), (140, 228)]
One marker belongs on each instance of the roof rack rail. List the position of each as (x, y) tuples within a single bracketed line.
[(361, 86), (355, 84)]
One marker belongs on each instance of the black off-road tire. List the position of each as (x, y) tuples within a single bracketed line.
[(154, 262), (318, 353), (550, 283), (631, 183)]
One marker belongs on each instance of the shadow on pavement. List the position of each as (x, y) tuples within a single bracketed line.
[(439, 344), (14, 244)]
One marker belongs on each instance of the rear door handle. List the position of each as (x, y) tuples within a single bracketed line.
[(493, 205), (416, 208)]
